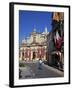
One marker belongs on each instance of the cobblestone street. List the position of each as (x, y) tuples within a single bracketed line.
[(32, 71)]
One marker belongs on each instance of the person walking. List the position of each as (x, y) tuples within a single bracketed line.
[(40, 64)]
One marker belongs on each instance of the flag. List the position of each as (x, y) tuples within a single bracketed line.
[(58, 40)]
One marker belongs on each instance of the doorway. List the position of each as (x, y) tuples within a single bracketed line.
[(34, 56), (54, 60)]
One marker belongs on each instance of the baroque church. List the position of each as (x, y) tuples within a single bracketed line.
[(34, 47)]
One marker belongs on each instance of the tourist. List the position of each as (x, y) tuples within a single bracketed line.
[(40, 64)]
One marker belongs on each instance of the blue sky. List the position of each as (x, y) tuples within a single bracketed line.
[(28, 20)]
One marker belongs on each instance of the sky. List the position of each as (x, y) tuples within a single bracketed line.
[(28, 20)]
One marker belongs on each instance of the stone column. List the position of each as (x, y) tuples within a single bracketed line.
[(31, 54), (21, 55)]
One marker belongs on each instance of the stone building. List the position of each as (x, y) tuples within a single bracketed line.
[(34, 47), (56, 40)]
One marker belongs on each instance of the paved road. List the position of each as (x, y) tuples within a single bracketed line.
[(34, 72)]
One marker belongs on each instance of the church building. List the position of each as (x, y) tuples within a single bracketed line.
[(34, 47)]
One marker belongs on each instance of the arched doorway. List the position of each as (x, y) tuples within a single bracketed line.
[(34, 56)]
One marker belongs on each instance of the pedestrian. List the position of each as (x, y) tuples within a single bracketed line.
[(40, 64)]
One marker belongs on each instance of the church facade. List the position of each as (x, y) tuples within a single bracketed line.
[(34, 47)]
